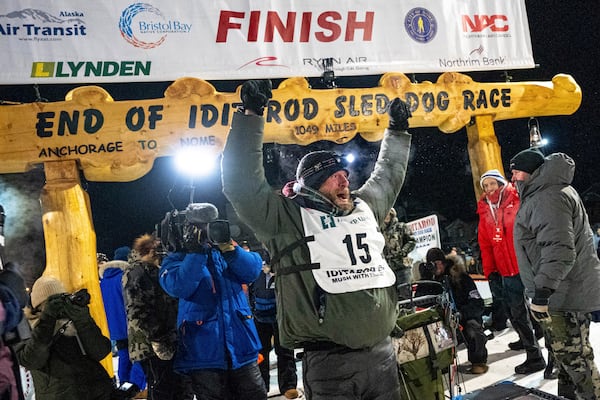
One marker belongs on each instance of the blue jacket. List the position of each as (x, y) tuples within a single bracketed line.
[(214, 317), (112, 296)]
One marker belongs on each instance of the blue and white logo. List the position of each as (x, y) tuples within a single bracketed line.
[(420, 24)]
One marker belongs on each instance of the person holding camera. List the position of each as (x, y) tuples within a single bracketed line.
[(151, 317), (218, 344), (336, 294), (66, 346)]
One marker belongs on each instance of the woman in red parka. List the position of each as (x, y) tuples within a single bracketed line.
[(497, 209)]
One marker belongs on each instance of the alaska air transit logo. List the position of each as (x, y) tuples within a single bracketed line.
[(420, 24), (126, 20)]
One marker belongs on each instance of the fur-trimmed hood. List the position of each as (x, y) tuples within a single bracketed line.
[(117, 264), (455, 267)]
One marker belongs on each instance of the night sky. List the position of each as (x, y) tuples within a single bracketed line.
[(565, 38)]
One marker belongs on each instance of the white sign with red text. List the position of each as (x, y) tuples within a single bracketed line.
[(70, 41), (426, 232)]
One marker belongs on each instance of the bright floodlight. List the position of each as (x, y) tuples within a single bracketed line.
[(195, 161), (350, 158)]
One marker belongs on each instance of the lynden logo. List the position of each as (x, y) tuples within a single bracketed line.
[(39, 26), (71, 69), (142, 19), (420, 24), (478, 23)]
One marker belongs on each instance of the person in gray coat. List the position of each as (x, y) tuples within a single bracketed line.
[(559, 266)]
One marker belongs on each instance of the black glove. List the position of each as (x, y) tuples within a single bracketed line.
[(539, 305), (399, 113), (165, 346), (54, 308), (256, 94), (76, 312)]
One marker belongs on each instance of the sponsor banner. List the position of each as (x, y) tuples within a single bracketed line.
[(427, 235), (69, 41)]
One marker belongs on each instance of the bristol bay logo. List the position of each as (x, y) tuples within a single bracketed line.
[(421, 25), (145, 26)]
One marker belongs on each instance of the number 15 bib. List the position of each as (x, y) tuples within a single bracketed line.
[(348, 249)]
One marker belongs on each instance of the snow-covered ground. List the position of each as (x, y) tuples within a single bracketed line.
[(501, 360)]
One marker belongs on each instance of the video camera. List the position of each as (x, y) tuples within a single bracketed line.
[(193, 228), (81, 297)]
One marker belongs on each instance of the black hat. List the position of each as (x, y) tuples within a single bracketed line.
[(435, 254), (314, 168), (527, 160)]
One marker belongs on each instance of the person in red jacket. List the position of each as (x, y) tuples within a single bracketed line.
[(497, 209)]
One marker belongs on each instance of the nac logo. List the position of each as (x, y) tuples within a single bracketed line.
[(478, 23), (132, 25), (420, 24)]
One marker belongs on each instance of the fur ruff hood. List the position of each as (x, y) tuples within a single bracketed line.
[(122, 265)]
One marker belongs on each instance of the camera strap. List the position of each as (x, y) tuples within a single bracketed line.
[(61, 331)]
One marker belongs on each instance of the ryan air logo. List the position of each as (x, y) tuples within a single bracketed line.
[(145, 26), (421, 25)]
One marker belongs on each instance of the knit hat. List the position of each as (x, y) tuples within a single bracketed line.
[(315, 167), (492, 173), (527, 160), (435, 254), (45, 287), (121, 253)]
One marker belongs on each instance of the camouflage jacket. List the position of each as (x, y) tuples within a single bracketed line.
[(151, 313), (398, 243)]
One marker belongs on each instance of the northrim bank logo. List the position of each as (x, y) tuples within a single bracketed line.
[(143, 20)]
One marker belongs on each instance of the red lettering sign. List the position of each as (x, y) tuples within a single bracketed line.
[(290, 27), (496, 23)]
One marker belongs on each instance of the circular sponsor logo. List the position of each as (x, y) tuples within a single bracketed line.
[(142, 19), (420, 24)]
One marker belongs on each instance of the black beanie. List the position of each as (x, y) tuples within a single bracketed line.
[(527, 160), (435, 254), (314, 168)]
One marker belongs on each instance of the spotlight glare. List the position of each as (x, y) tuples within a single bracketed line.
[(350, 158), (195, 161)]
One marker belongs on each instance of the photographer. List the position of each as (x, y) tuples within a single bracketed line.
[(66, 346), (218, 343)]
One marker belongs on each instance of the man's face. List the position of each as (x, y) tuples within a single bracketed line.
[(439, 267), (337, 189), (490, 185), (519, 176)]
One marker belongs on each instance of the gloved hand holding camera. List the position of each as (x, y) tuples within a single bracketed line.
[(399, 113), (55, 307), (255, 95)]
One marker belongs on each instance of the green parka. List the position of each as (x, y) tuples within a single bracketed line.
[(306, 313), (67, 366)]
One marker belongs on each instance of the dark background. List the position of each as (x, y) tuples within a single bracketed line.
[(565, 38)]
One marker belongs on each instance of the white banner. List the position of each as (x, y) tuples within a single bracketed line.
[(69, 41), (427, 235)]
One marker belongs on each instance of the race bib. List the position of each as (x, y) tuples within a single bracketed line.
[(348, 249)]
